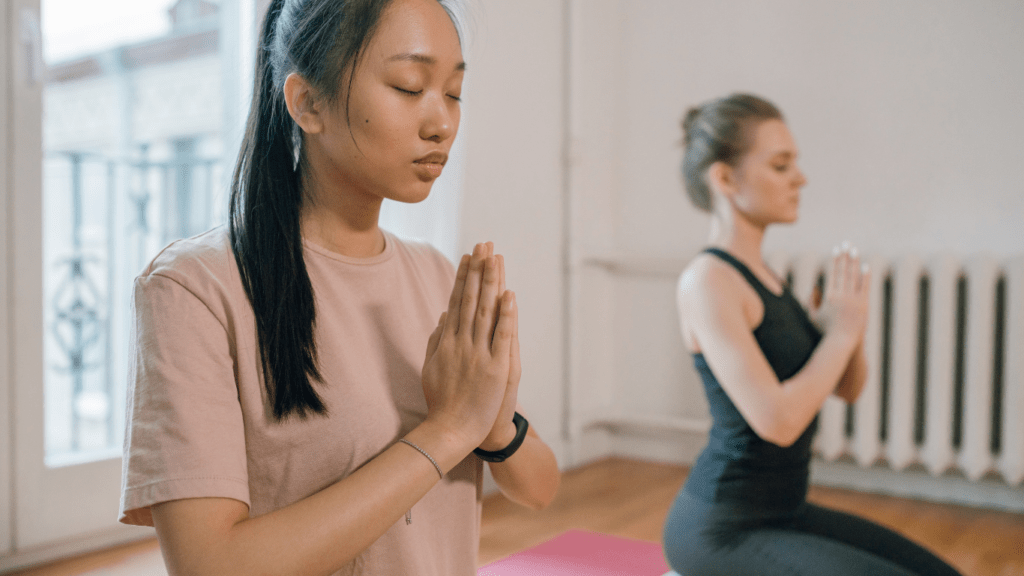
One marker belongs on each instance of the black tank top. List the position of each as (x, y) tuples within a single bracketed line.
[(737, 466)]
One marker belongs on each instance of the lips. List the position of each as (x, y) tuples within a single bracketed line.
[(430, 166), (433, 158)]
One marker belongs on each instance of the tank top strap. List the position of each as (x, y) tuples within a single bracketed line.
[(758, 286)]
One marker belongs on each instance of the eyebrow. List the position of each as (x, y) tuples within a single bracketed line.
[(422, 59)]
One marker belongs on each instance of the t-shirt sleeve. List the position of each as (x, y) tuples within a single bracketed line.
[(185, 436)]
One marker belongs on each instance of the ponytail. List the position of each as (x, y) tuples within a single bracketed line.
[(265, 237)]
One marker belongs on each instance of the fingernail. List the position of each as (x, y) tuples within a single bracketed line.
[(853, 252)]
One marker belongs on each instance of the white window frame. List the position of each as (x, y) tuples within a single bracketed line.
[(46, 513), (56, 511), (6, 527)]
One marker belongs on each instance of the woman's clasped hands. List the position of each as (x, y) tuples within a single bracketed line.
[(843, 311), (471, 371)]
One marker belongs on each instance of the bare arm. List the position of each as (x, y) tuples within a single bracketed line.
[(530, 476), (464, 379), (317, 535), (778, 412), (852, 381)]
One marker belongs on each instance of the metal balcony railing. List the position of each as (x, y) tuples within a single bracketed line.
[(105, 218)]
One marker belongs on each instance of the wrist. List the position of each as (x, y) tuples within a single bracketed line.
[(447, 444), (847, 340), (495, 442)]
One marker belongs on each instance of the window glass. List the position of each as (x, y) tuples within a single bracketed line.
[(133, 159)]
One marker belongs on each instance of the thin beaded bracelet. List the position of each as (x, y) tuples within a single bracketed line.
[(408, 513)]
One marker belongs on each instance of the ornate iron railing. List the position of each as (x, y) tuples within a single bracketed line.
[(105, 218)]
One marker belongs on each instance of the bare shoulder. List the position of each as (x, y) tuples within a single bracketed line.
[(704, 288), (708, 280), (714, 296)]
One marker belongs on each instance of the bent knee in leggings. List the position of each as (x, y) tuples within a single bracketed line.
[(705, 539)]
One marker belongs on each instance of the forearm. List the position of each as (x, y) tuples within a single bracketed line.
[(530, 476), (852, 382), (323, 532), (801, 397)]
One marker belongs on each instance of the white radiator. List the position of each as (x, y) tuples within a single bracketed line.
[(945, 346)]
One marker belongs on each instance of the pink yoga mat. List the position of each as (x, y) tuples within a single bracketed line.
[(579, 553)]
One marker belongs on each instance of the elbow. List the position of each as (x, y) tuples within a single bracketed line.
[(549, 495), (782, 439), (848, 396), (540, 505), (532, 501), (778, 431), (544, 495)]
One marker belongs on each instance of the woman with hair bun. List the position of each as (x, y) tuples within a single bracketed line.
[(767, 368), (295, 405)]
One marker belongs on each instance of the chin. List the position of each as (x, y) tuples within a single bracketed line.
[(413, 194), (785, 219), (792, 215)]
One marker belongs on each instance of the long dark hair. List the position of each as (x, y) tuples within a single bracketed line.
[(719, 131), (321, 40)]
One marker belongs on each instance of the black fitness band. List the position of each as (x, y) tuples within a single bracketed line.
[(504, 453)]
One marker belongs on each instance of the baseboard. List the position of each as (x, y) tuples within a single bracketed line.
[(22, 559), (920, 485), (668, 446), (679, 447)]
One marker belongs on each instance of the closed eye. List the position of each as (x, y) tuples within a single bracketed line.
[(456, 98), (409, 92)]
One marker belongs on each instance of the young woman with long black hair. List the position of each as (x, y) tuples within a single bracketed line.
[(296, 406), (767, 368)]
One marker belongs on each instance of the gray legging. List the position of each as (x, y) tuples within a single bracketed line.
[(706, 539)]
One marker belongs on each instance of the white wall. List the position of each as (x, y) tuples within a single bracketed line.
[(6, 524), (908, 117), (907, 114), (512, 192)]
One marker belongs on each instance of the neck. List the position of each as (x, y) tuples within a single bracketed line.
[(737, 235), (336, 216)]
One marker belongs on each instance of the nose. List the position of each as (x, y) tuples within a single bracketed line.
[(440, 118), (801, 180)]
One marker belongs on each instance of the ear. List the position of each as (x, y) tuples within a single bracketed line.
[(722, 179), (303, 105)]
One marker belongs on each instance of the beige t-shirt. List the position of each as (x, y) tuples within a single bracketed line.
[(199, 424)]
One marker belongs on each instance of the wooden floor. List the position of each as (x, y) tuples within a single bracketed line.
[(631, 499)]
